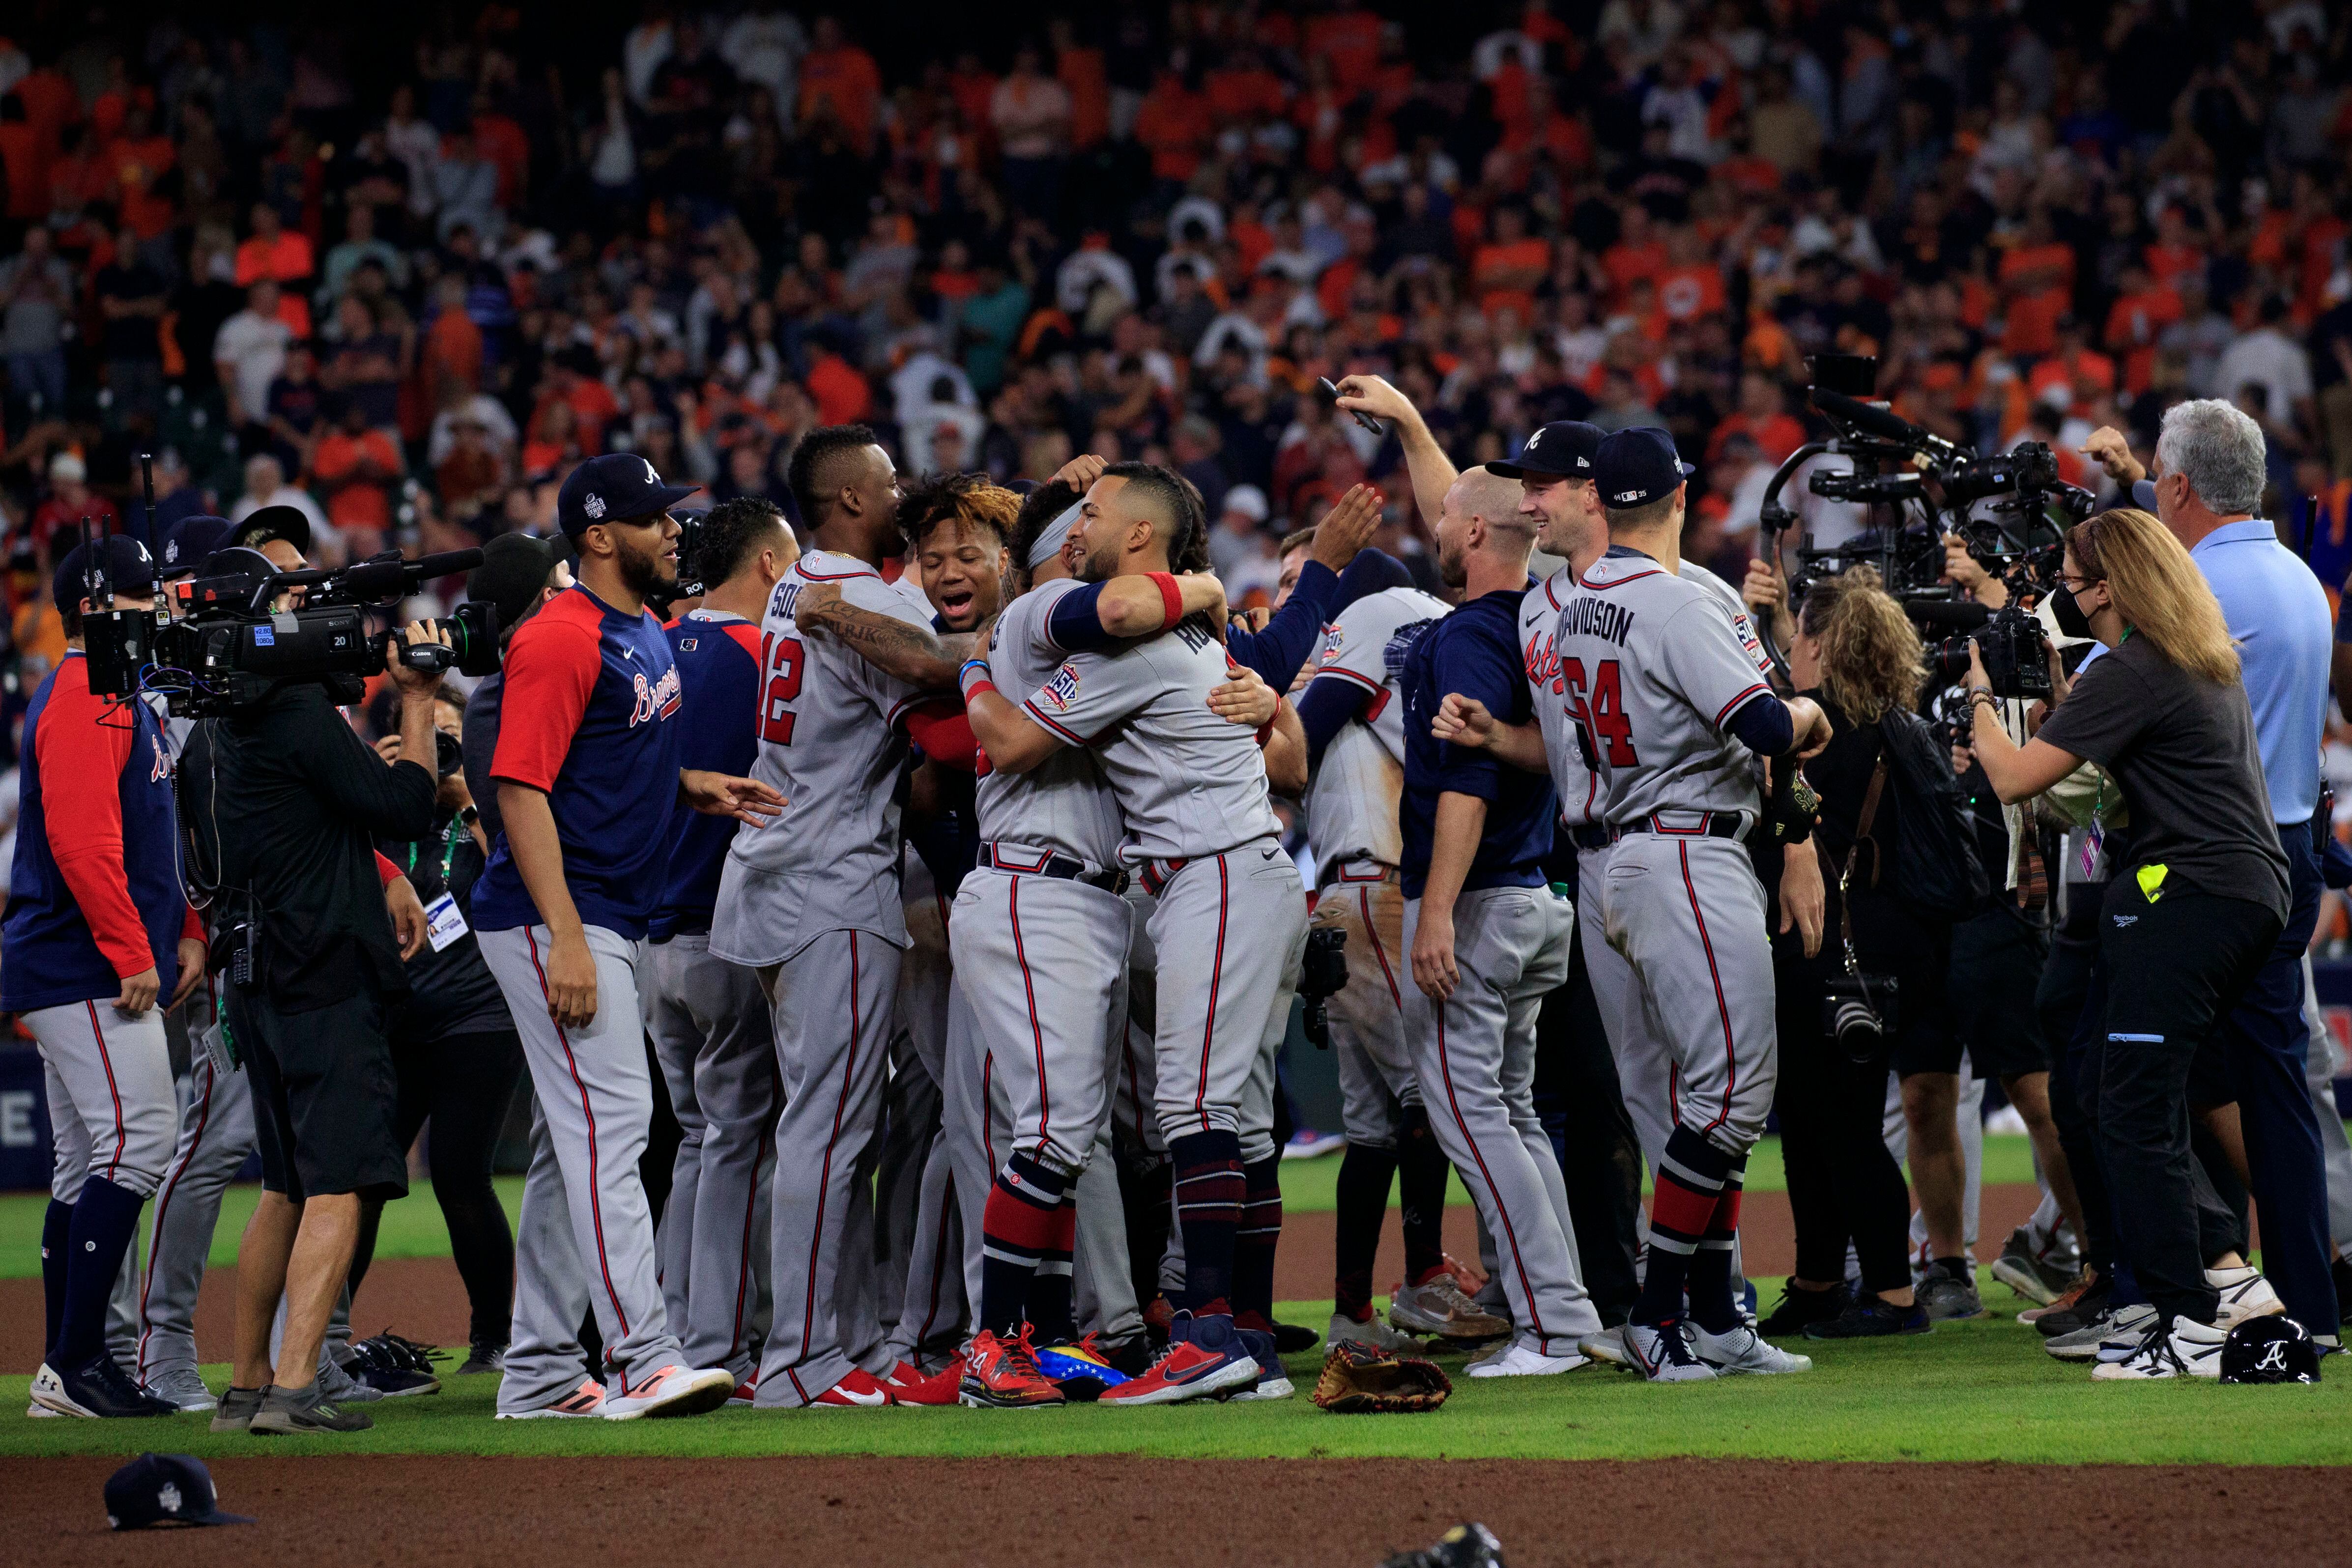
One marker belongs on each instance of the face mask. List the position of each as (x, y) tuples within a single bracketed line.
[(2068, 613)]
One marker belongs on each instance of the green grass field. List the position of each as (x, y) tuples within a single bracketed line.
[(412, 1227), (1969, 1391)]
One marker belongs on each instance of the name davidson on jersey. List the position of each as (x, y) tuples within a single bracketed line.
[(1596, 618)]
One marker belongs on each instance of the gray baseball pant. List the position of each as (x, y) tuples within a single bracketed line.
[(595, 1090), (711, 1033), (1368, 1038), (1475, 1056), (216, 1137), (543, 1358), (832, 1003)]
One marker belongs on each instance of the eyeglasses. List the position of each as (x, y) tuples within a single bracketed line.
[(2074, 584)]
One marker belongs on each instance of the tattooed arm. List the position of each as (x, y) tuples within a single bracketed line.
[(900, 649)]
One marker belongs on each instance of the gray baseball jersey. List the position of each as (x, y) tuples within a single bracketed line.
[(1651, 668), (830, 743), (1063, 803), (1352, 806), (1578, 787), (1190, 783)]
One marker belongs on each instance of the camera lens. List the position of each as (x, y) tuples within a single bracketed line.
[(1859, 1031)]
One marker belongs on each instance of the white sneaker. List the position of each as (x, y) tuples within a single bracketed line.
[(1265, 1388), (2244, 1294), (2190, 1349), (2125, 1331), (1516, 1360), (1664, 1354), (1744, 1349), (1372, 1331), (672, 1391)]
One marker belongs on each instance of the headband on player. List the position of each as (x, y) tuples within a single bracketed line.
[(1051, 537)]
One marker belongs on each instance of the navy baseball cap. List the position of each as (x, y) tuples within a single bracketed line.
[(191, 539), (1564, 449), (164, 1489), (287, 523), (128, 565), (1637, 466), (619, 486)]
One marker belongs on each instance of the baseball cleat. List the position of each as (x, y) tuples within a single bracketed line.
[(1800, 1310), (2027, 1274), (999, 1372), (1079, 1370), (2081, 1286), (672, 1391), (239, 1406), (1273, 1379), (745, 1390), (483, 1357), (1744, 1351), (1871, 1316), (1294, 1339), (583, 1403), (1949, 1297), (857, 1391), (1516, 1360), (1371, 1332), (1439, 1307), (395, 1367), (2188, 1350), (99, 1389), (1607, 1345), (909, 1385), (1205, 1356), (1663, 1353), (2244, 1294), (183, 1389)]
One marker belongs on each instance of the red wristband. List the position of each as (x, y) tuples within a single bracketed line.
[(978, 687), (1265, 734), (1170, 597)]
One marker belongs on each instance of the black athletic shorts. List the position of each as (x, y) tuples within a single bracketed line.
[(324, 1096), (1997, 962)]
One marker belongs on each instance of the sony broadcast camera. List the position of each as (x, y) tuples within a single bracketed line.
[(2011, 511), (237, 636)]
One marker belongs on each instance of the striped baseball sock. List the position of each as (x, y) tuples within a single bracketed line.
[(1019, 1228), (1210, 1191), (1361, 1202), (1255, 1241), (1711, 1306), (1682, 1210), (1049, 1291)]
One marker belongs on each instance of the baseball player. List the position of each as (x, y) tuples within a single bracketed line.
[(1354, 720), (588, 776), (708, 1017), (1230, 922), (1670, 708), (812, 900), (97, 937)]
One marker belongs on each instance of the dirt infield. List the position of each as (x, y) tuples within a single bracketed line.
[(1302, 1513), (422, 1297)]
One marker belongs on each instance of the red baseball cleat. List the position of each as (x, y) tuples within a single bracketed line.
[(1205, 1356), (1001, 1374), (857, 1391), (908, 1385)]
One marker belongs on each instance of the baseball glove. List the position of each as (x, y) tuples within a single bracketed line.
[(1360, 1379)]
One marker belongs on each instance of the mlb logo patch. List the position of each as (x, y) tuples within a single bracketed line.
[(1063, 689)]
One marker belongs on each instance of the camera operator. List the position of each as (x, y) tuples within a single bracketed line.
[(1855, 653), (315, 965), (98, 937), (2206, 487), (454, 1050), (2197, 903)]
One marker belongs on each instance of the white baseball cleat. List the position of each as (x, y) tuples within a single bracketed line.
[(2244, 1294), (1607, 1345), (1743, 1350), (672, 1391), (1516, 1360), (2190, 1349), (584, 1402), (1663, 1355)]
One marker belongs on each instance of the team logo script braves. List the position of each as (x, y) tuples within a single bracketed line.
[(1063, 689), (657, 699)]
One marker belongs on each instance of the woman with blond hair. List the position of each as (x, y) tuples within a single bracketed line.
[(1855, 653), (2197, 898)]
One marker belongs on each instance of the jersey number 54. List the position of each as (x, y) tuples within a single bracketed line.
[(1599, 711), (780, 660)]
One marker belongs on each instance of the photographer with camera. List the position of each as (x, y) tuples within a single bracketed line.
[(314, 968), (1875, 987), (2197, 903)]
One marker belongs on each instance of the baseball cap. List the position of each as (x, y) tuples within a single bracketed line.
[(2269, 1350), (287, 523), (619, 486), (1561, 450), (514, 568), (191, 539), (164, 1489), (1246, 499), (128, 565), (1637, 466)]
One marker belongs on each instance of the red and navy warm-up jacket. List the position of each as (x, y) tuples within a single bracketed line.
[(94, 896), (718, 668), (590, 715)]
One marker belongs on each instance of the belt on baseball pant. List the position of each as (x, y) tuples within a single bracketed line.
[(1361, 869), (1049, 862), (1665, 824)]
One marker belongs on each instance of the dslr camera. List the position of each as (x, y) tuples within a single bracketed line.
[(229, 645)]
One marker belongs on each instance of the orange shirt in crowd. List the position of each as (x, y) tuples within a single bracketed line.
[(847, 81), (1240, 94), (361, 504), (2169, 263), (28, 170), (286, 259), (133, 169), (2070, 371), (1625, 264), (1506, 274), (1775, 435), (841, 395), (1350, 41), (1688, 292), (50, 105), (1175, 125), (2040, 283), (500, 139), (1081, 71), (452, 354), (2134, 323)]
